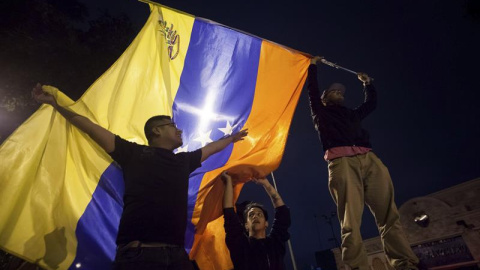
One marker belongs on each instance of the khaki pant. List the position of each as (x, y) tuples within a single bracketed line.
[(363, 179)]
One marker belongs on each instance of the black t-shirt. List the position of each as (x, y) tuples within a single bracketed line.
[(257, 254), (156, 191), (338, 125)]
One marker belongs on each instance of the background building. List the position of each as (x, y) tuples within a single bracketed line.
[(443, 229)]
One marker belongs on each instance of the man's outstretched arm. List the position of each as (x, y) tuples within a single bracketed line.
[(228, 193), (100, 135), (219, 145), (274, 195), (314, 96), (282, 222), (370, 102)]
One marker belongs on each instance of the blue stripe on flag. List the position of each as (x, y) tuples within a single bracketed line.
[(98, 227), (217, 86)]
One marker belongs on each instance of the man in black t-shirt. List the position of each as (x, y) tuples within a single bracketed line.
[(154, 218), (249, 245)]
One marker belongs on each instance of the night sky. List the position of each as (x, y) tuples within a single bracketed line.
[(424, 56)]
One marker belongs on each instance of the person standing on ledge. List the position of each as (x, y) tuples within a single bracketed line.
[(356, 175)]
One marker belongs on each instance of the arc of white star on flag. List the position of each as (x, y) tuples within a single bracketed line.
[(204, 138), (227, 130)]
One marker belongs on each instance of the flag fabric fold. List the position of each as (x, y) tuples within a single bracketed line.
[(61, 194)]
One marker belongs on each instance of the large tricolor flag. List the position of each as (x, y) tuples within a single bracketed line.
[(60, 193)]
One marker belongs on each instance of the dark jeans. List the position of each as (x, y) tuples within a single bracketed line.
[(158, 258)]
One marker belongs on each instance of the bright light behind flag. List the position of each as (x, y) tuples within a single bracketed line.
[(61, 195)]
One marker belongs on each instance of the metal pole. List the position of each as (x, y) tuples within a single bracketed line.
[(328, 63), (292, 257)]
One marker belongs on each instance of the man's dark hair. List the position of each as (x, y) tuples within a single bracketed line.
[(151, 123), (254, 205)]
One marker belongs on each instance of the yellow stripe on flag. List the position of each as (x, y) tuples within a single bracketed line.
[(49, 169)]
